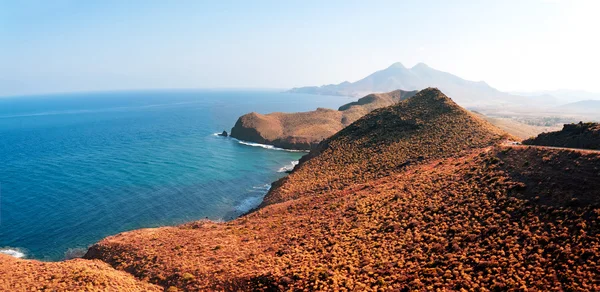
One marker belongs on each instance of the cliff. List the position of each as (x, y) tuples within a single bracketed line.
[(306, 129), (582, 135)]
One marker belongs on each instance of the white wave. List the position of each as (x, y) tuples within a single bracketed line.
[(289, 167), (264, 187), (270, 147), (251, 202), (14, 252), (248, 204)]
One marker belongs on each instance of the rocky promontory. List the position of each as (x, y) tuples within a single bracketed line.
[(304, 130)]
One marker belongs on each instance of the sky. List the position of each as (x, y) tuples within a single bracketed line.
[(72, 45)]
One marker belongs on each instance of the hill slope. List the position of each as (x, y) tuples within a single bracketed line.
[(72, 275), (305, 130), (427, 125), (464, 92), (484, 220)]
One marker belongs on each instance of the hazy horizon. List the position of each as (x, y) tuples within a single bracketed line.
[(70, 46)]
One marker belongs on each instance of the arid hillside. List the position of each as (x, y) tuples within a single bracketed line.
[(73, 275), (492, 219), (427, 125), (582, 135), (305, 130), (418, 196)]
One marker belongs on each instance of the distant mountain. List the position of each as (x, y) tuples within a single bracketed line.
[(562, 96), (396, 76), (584, 106)]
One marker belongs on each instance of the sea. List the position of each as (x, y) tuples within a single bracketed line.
[(77, 167)]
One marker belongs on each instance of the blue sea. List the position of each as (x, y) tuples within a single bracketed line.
[(75, 168)]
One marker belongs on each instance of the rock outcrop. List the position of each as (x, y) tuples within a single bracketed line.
[(304, 130), (581, 135)]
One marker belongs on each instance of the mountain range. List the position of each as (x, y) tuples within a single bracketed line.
[(464, 92)]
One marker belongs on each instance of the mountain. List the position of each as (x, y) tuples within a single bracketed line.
[(426, 125), (396, 76), (561, 96), (584, 106), (305, 130)]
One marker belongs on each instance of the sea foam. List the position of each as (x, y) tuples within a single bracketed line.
[(270, 147), (251, 202), (288, 167), (14, 252)]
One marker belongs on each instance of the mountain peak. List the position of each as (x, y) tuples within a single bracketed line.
[(421, 65), (396, 65)]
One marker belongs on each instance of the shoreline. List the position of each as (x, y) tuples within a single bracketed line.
[(239, 210)]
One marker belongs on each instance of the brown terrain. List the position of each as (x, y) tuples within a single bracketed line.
[(428, 125), (73, 275), (304, 130), (581, 135), (418, 196)]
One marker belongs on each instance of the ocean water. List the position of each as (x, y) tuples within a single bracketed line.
[(75, 168)]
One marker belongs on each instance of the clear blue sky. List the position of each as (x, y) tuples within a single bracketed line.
[(64, 45)]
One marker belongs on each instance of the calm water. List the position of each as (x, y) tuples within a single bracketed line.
[(75, 168)]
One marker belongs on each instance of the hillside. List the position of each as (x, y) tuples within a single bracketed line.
[(484, 220), (397, 76), (73, 275), (427, 125), (305, 130), (582, 135), (417, 196)]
